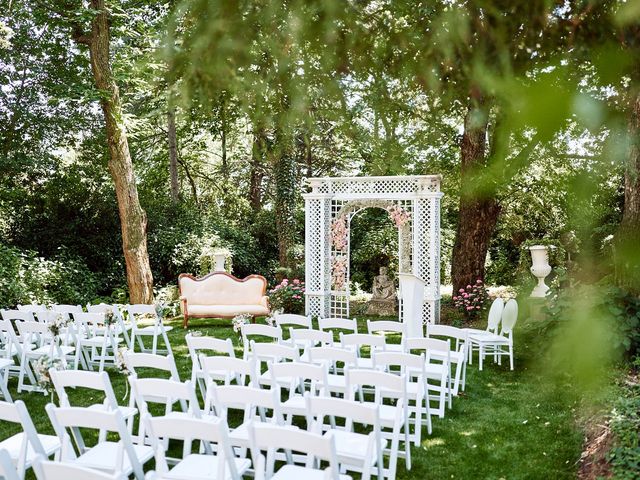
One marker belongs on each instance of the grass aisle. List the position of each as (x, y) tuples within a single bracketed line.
[(511, 425)]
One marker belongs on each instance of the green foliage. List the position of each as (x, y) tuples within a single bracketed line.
[(624, 454), (26, 278), (288, 296), (605, 315)]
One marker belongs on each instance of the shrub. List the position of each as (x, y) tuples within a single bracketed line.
[(472, 299), (26, 277), (288, 296)]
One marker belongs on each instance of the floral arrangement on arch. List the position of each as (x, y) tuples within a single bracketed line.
[(288, 296), (339, 273), (339, 233), (472, 299), (398, 215)]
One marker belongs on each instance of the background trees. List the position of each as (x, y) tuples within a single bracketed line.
[(227, 106)]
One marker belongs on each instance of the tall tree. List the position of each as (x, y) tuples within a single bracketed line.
[(133, 220), (172, 141)]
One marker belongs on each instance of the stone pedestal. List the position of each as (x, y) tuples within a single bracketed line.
[(382, 307)]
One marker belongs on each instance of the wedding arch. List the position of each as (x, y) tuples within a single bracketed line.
[(413, 203)]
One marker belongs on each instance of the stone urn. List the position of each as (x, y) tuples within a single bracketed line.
[(220, 257), (540, 269)]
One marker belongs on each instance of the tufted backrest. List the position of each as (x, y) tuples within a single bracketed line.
[(222, 289)]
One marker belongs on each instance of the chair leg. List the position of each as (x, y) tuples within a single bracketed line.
[(480, 355), (511, 356)]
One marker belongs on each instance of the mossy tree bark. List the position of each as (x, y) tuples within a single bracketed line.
[(133, 220)]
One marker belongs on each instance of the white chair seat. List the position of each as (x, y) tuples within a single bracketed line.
[(351, 447), (13, 445), (127, 412), (46, 350), (294, 405), (337, 383), (477, 331), (239, 436), (151, 330), (97, 341), (295, 472), (365, 363), (5, 363), (435, 370), (489, 338), (204, 466), (103, 457), (265, 379)]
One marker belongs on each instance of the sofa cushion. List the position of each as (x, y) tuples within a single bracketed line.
[(226, 310), (222, 289)]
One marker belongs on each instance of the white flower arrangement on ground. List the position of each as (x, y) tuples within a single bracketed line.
[(41, 369), (239, 320)]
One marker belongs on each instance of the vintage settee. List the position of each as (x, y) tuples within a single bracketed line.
[(221, 295)]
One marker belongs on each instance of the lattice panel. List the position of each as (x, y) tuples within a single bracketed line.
[(313, 246)]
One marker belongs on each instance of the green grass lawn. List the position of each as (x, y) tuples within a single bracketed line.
[(505, 425)]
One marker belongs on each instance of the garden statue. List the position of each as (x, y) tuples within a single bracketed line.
[(384, 297)]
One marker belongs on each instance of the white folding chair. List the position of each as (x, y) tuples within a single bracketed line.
[(121, 327), (165, 393), (98, 382), (458, 355), (198, 345), (47, 470), (214, 435), (7, 470), (23, 447), (437, 369), (156, 330), (268, 353), (38, 343), (358, 451), (11, 348), (15, 316), (228, 369), (5, 367), (498, 345), (250, 331), (32, 307), (287, 321), (395, 328), (336, 359), (298, 378), (394, 419), (96, 344), (120, 457), (68, 309), (363, 341), (271, 438), (337, 324), (253, 402), (413, 368), (306, 338), (493, 324)]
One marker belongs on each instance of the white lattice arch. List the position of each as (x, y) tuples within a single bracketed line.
[(331, 198)]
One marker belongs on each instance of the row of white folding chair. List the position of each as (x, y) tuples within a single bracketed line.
[(493, 342), (438, 360), (131, 331), (309, 378)]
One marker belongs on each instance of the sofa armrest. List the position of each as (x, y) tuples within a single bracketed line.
[(264, 301)]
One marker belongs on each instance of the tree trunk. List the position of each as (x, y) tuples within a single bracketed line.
[(285, 201), (223, 140), (628, 235), (479, 209), (133, 219), (173, 153), (258, 152)]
